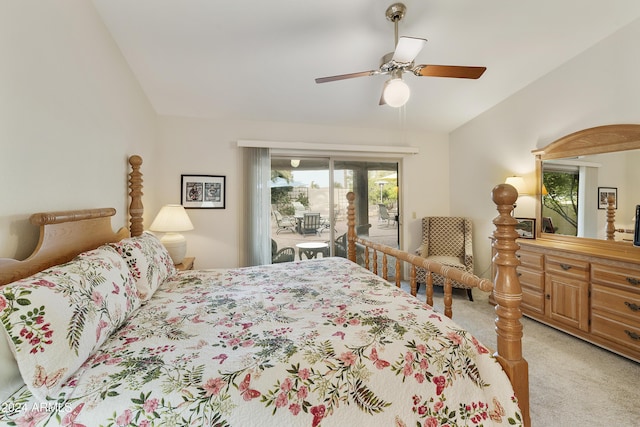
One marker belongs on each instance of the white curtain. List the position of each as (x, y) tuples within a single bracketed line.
[(258, 202)]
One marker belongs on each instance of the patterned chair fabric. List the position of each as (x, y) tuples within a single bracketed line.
[(447, 240)]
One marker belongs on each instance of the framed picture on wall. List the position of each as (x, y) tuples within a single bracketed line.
[(526, 228), (603, 195), (203, 191)]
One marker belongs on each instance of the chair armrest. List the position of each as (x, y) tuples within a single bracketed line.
[(284, 255)]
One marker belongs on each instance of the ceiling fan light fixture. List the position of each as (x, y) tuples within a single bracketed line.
[(396, 93)]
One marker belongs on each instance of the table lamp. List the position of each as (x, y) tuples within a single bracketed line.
[(171, 220), (518, 183)]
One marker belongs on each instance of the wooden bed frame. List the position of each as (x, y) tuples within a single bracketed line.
[(65, 234)]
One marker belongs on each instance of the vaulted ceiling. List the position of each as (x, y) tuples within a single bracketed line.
[(257, 59)]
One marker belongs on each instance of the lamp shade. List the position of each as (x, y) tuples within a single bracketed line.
[(518, 183), (396, 93), (171, 219)]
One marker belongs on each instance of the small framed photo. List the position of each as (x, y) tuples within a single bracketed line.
[(526, 228), (603, 196), (203, 191), (547, 225)]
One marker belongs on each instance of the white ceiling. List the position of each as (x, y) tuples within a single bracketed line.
[(257, 59)]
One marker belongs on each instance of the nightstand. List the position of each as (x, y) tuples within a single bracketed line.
[(186, 264)]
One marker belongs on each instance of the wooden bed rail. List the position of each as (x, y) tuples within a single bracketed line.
[(506, 286)]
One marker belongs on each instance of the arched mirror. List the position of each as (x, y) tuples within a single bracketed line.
[(579, 175)]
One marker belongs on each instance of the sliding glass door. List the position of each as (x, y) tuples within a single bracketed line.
[(309, 205)]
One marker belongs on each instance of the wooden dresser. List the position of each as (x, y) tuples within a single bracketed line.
[(592, 294)]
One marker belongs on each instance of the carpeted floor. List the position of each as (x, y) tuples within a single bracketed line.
[(571, 382)]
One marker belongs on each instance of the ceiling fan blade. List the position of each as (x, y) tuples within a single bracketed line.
[(455, 71), (346, 76), (407, 49)]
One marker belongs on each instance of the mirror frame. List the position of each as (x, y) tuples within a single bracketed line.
[(596, 140)]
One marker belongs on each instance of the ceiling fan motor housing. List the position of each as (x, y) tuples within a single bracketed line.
[(396, 12)]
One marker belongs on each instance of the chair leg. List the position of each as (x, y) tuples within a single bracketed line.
[(470, 294)]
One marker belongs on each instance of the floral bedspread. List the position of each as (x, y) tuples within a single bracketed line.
[(312, 343)]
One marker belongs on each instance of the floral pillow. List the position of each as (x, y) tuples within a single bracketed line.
[(10, 379), (57, 318), (148, 260)]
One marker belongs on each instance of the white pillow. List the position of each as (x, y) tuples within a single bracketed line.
[(10, 379), (59, 317)]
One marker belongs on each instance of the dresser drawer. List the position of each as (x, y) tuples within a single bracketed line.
[(531, 279), (532, 283), (616, 330), (616, 301), (532, 301), (567, 267), (625, 278), (533, 260)]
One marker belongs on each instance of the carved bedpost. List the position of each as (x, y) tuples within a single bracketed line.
[(508, 295), (611, 218), (351, 223), (136, 209)]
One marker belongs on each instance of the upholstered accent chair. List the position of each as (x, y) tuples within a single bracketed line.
[(447, 240)]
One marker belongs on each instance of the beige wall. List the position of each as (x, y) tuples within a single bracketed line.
[(199, 146), (598, 87), (70, 113)]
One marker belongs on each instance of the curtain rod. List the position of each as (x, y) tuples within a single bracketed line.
[(312, 146)]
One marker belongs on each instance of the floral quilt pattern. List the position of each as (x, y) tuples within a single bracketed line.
[(313, 343)]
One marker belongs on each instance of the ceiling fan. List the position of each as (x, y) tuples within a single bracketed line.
[(396, 92)]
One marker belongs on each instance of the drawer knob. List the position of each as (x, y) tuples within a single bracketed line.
[(632, 306), (632, 335), (633, 281), (565, 267)]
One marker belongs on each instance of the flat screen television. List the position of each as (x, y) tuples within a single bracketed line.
[(636, 234)]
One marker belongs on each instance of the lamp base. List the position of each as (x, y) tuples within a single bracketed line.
[(176, 245)]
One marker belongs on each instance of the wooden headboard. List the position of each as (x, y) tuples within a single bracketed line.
[(65, 234)]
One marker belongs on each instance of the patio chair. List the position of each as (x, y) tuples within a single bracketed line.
[(284, 222), (310, 224), (340, 249), (287, 254), (327, 224), (384, 214)]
